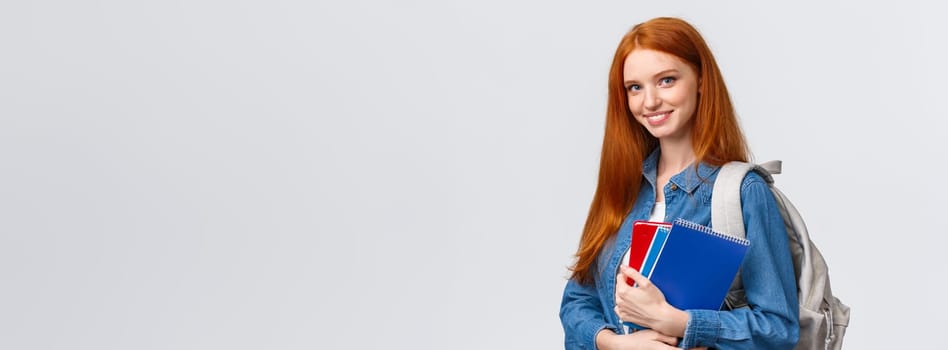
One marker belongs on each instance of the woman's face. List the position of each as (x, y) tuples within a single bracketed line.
[(662, 91)]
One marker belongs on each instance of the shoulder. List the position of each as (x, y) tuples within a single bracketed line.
[(755, 190), (753, 179), (727, 178), (734, 180)]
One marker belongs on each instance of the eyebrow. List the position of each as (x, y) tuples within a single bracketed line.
[(664, 72)]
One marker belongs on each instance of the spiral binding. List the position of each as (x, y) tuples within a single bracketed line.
[(708, 230)]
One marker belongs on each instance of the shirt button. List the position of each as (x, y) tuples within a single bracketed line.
[(674, 187)]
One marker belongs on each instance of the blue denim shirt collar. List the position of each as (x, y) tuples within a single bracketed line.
[(687, 180)]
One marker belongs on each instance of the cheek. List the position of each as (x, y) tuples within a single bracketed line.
[(634, 103), (680, 97)]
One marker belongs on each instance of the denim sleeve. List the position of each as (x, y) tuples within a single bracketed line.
[(771, 320), (582, 316)]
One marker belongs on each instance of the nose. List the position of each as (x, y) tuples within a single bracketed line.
[(652, 101)]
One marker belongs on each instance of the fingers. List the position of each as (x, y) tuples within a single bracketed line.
[(655, 335), (667, 339), (635, 276), (623, 285), (637, 304), (622, 276), (623, 288)]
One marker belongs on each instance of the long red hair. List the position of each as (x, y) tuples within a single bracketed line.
[(716, 135)]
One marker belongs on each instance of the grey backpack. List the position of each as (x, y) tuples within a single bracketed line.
[(823, 317)]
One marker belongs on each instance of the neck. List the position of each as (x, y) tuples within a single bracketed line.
[(675, 156)]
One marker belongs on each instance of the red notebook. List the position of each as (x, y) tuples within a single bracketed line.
[(643, 232)]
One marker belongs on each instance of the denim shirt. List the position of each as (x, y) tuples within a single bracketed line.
[(770, 321)]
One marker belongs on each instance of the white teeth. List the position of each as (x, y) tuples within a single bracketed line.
[(658, 116)]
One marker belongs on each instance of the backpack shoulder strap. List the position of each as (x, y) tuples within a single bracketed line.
[(726, 213)]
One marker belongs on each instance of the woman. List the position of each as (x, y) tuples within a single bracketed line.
[(669, 126)]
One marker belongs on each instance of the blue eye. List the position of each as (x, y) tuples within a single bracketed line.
[(633, 87), (667, 80)]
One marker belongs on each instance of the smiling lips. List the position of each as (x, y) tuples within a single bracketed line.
[(657, 118)]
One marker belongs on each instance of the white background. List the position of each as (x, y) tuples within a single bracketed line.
[(242, 174)]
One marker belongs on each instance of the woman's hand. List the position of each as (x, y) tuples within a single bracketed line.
[(644, 339), (645, 305)]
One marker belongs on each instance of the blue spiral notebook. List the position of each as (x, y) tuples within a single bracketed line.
[(696, 266), (693, 266)]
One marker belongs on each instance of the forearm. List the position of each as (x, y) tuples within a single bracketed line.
[(604, 339), (673, 322), (742, 328)]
